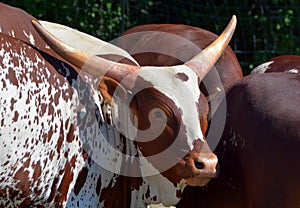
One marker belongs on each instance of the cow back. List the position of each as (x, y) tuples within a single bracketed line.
[(17, 23), (283, 63)]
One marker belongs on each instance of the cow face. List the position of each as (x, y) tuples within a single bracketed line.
[(165, 105), (168, 118)]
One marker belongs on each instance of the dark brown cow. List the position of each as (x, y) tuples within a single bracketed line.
[(173, 44), (259, 151), (284, 63)]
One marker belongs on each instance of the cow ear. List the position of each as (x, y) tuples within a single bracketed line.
[(204, 112), (109, 88)]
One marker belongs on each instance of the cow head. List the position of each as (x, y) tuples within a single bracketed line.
[(165, 104)]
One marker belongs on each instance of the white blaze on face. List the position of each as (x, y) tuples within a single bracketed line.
[(184, 93)]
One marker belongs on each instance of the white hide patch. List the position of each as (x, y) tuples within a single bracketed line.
[(12, 33), (293, 71), (30, 37), (262, 68), (163, 190)]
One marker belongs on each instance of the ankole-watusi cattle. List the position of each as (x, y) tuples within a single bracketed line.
[(259, 151), (283, 63), (59, 149), (173, 44)]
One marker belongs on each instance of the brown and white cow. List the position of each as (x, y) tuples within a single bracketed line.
[(283, 63), (58, 149), (259, 151)]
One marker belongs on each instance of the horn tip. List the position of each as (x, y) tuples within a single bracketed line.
[(34, 22), (233, 19)]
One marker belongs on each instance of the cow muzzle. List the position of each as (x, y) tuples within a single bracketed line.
[(204, 166), (203, 171)]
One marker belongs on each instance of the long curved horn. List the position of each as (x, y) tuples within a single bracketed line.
[(204, 61), (93, 65)]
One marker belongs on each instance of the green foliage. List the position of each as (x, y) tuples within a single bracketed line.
[(101, 18), (265, 28), (277, 29)]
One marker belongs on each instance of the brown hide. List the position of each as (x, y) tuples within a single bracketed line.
[(227, 67), (17, 23), (259, 151), (284, 63)]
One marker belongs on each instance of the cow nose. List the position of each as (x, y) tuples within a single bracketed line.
[(207, 165)]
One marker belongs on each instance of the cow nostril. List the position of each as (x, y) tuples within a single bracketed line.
[(199, 165)]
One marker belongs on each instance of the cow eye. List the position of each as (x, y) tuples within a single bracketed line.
[(158, 114)]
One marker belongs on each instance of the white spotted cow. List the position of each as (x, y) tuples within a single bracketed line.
[(58, 147)]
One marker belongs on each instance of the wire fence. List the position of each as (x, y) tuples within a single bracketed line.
[(265, 28)]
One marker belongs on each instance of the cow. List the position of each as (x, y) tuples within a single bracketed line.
[(283, 63), (259, 150), (58, 149), (173, 44)]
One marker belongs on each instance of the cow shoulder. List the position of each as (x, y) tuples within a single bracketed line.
[(266, 100)]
